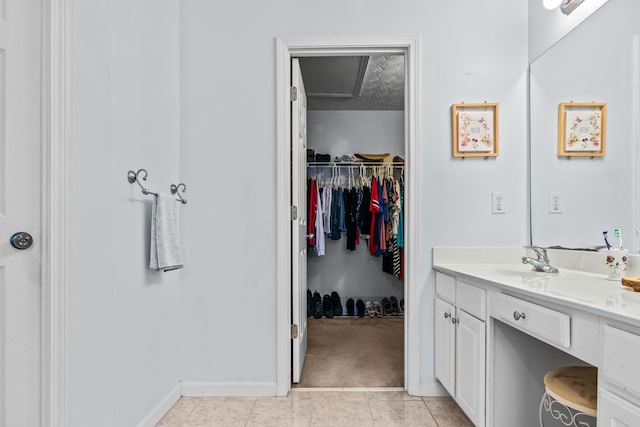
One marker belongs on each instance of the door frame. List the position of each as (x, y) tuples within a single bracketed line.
[(286, 48), (56, 131)]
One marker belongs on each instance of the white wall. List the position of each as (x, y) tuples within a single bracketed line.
[(471, 51), (546, 26), (353, 273), (124, 319), (348, 132), (597, 193)]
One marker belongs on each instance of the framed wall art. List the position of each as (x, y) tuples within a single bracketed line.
[(581, 129), (475, 130)]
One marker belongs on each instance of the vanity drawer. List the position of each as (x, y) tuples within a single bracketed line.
[(472, 299), (549, 325), (446, 287), (620, 352)]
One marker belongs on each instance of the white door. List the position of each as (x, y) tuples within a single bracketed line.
[(445, 345), (299, 223), (470, 366), (20, 175)]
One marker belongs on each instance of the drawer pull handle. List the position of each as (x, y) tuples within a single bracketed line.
[(518, 316), (447, 315)]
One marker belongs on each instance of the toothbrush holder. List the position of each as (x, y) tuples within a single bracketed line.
[(616, 261)]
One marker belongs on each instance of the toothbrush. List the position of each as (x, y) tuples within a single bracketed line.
[(619, 236), (605, 234)]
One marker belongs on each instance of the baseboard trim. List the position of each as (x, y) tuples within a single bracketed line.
[(344, 389), (228, 388), (162, 407), (433, 389)]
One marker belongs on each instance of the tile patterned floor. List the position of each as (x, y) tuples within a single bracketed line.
[(317, 408)]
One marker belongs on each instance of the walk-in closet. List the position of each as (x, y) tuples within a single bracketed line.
[(355, 165)]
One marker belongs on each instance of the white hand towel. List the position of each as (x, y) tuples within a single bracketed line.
[(165, 245)]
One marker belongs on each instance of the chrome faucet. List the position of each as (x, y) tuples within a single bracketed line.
[(540, 264)]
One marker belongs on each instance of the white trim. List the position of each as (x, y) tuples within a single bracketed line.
[(283, 224), (286, 47), (232, 388), (411, 203), (635, 134), (161, 409), (56, 54), (346, 389), (434, 389)]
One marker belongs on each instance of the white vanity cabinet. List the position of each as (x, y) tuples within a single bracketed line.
[(461, 344), (619, 379), (511, 326)]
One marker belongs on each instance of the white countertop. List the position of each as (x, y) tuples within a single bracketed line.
[(590, 292)]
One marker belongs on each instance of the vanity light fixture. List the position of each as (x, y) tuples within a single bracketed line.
[(551, 4), (566, 6)]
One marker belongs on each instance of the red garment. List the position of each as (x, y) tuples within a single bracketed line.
[(374, 208), (311, 213)]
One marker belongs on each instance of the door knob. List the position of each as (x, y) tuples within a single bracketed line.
[(518, 316), (21, 240)]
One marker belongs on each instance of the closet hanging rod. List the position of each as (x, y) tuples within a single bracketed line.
[(354, 164), (134, 177)]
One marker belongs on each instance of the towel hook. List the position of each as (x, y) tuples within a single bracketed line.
[(133, 177), (175, 190)]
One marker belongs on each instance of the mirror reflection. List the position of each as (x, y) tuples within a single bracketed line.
[(575, 199)]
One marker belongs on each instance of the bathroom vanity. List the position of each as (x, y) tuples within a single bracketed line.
[(501, 326)]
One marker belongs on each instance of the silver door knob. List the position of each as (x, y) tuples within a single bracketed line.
[(21, 240), (518, 316)]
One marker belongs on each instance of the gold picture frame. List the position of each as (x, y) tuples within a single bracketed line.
[(475, 129), (582, 129)]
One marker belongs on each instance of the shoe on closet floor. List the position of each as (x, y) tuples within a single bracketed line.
[(386, 306), (337, 305), (318, 312), (309, 304), (350, 307), (377, 309), (394, 306), (327, 306), (371, 311), (360, 308)]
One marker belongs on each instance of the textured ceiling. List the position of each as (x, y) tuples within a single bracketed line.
[(382, 87)]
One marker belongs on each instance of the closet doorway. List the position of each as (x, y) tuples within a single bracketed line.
[(292, 333), (348, 134)]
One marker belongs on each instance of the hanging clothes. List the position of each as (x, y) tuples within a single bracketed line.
[(374, 208), (351, 201), (319, 226), (326, 208), (312, 206), (364, 214), (367, 207), (337, 214)]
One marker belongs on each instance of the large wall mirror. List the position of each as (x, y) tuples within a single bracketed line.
[(575, 199)]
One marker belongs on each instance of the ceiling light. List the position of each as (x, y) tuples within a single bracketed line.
[(551, 4)]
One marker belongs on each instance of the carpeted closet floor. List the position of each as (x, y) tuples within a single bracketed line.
[(354, 352)]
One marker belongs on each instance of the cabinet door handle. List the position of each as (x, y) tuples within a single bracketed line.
[(447, 315), (518, 316), (454, 320)]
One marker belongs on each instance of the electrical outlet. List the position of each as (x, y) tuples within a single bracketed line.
[(555, 203), (498, 205)]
